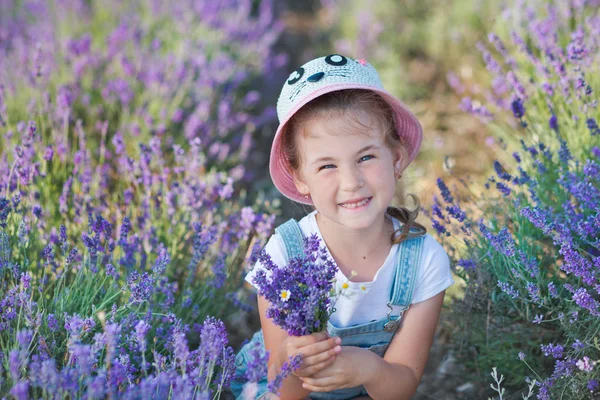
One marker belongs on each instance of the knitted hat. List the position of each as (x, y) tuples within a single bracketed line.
[(324, 75)]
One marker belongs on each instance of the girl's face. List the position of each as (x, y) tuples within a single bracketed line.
[(348, 172)]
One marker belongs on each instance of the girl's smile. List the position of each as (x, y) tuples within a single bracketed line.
[(356, 204)]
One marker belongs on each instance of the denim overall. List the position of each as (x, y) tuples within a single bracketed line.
[(374, 336)]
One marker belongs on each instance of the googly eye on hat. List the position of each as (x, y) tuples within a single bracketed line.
[(324, 75)]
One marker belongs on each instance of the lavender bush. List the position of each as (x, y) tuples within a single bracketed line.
[(124, 128), (528, 248)]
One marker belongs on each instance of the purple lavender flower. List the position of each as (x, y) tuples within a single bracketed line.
[(556, 351), (517, 108), (141, 329), (508, 289), (258, 358), (583, 299), (437, 211), (286, 369), (213, 337), (141, 287), (503, 242), (20, 390), (440, 229), (534, 292), (467, 264), (501, 172), (445, 191), (456, 212), (4, 211), (52, 323), (593, 126), (299, 291), (24, 338), (564, 153), (553, 123), (552, 290)]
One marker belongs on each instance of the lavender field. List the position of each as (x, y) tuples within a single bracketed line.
[(134, 193)]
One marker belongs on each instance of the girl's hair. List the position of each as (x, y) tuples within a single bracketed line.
[(346, 103)]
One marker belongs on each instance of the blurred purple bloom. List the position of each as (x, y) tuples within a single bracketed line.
[(141, 287), (445, 191), (286, 369), (505, 190), (534, 292), (213, 337), (467, 264), (52, 323), (141, 329), (20, 390), (508, 289), (553, 123), (456, 212), (440, 229), (257, 363), (517, 108), (593, 126), (556, 351), (4, 211), (501, 172), (48, 153), (583, 299)]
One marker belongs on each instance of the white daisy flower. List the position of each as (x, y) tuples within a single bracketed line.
[(285, 295)]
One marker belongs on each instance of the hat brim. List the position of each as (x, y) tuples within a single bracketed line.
[(407, 125)]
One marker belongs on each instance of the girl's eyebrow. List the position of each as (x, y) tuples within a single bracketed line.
[(328, 158)]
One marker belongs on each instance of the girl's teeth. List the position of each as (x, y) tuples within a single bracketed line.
[(354, 205)]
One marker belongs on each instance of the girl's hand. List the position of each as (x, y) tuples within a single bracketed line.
[(318, 351), (352, 367)]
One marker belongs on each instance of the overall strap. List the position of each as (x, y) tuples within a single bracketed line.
[(292, 237), (406, 271)]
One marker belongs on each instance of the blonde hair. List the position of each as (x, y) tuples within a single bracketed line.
[(346, 103)]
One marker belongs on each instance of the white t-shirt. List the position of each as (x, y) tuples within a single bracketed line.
[(366, 301)]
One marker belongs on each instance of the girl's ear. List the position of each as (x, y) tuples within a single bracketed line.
[(399, 155), (301, 186)]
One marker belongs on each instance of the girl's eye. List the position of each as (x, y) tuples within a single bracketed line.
[(328, 166), (365, 158)]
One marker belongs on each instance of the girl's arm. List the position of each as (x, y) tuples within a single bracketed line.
[(398, 373), (318, 351)]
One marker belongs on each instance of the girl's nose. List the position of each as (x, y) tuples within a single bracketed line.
[(352, 179)]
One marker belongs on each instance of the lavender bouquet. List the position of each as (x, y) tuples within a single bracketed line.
[(302, 292)]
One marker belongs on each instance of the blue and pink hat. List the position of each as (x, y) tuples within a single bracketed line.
[(324, 75)]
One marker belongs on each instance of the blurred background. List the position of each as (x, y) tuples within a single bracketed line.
[(134, 144)]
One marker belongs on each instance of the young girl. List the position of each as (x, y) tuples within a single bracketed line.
[(341, 145)]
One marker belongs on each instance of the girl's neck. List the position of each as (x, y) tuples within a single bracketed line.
[(356, 245)]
